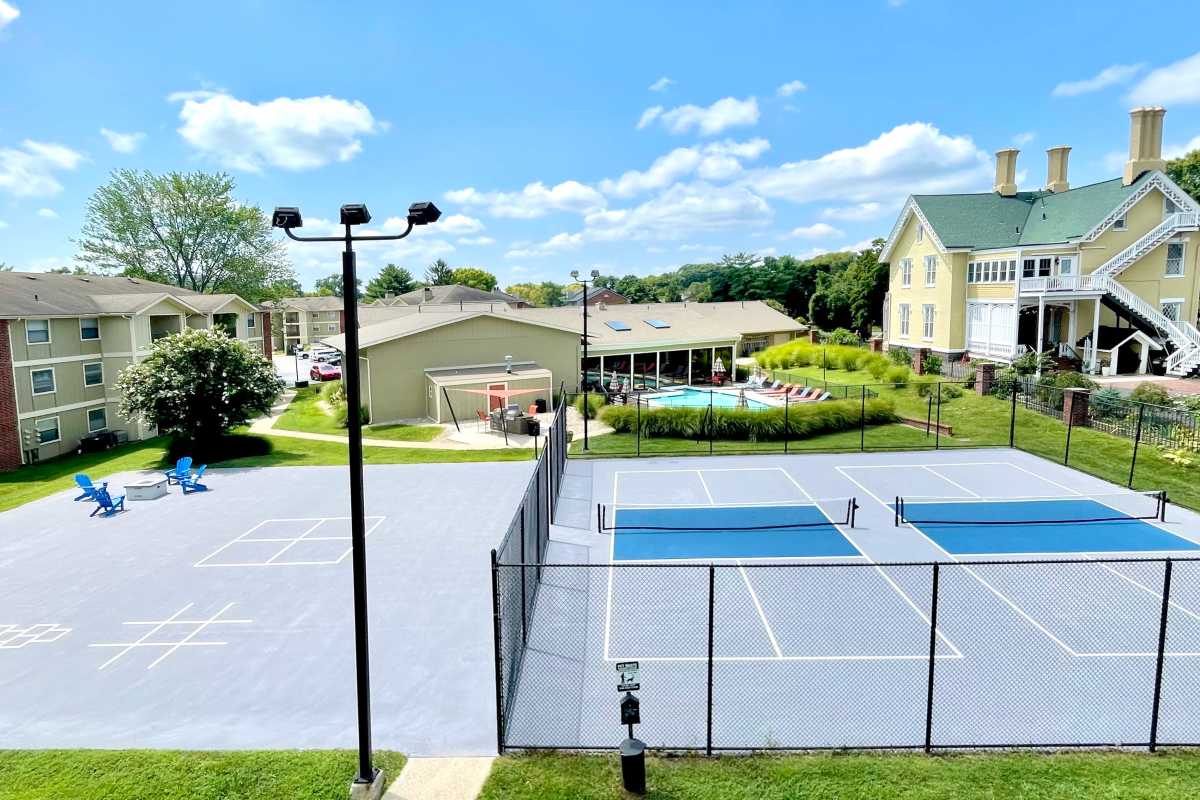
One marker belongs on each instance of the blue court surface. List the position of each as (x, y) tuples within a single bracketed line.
[(708, 532), (1041, 525)]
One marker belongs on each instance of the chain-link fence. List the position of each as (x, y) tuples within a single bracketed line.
[(755, 656)]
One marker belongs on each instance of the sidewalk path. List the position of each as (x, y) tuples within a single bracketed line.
[(440, 779)]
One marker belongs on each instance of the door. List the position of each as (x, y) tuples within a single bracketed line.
[(496, 401)]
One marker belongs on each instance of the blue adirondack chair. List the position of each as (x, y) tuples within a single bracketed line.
[(192, 482), (183, 469), (106, 504), (89, 488)]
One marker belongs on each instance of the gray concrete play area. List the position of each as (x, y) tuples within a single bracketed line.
[(224, 619)]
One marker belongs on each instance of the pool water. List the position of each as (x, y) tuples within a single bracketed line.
[(699, 398)]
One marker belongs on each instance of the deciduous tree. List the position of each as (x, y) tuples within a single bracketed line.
[(474, 277), (390, 280)]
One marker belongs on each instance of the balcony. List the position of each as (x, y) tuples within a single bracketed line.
[(1061, 284)]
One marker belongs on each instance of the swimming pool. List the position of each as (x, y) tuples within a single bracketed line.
[(699, 398)]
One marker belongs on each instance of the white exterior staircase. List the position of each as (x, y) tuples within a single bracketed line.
[(1171, 225)]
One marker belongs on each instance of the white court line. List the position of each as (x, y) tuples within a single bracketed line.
[(190, 636), (291, 542), (700, 474), (761, 615), (294, 542), (1020, 611), (914, 466), (933, 471), (147, 635)]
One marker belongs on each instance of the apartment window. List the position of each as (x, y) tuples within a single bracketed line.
[(1174, 259), (332, 327), (927, 314), (47, 430), (37, 331), (89, 329), (904, 315), (1066, 265), (1172, 308), (1044, 267), (93, 374), (251, 322), (930, 270), (906, 272), (1119, 223), (42, 381), (920, 233), (1029, 268), (97, 420)]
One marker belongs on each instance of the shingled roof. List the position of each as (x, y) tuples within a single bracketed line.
[(51, 294)]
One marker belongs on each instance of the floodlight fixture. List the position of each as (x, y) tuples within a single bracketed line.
[(595, 273), (355, 214), (286, 217), (423, 213), (575, 274)]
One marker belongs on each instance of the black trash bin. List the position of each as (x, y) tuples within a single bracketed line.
[(633, 766), (534, 427), (541, 405)]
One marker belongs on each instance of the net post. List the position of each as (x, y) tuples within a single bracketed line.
[(853, 510), (496, 655), (712, 581), (937, 428), (933, 610), (1012, 420), (896, 507), (1162, 505), (1137, 437), (1162, 645)]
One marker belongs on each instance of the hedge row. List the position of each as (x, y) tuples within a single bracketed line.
[(740, 424), (799, 353)]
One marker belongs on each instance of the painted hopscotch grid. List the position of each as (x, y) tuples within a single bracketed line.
[(14, 637), (160, 629), (289, 542)]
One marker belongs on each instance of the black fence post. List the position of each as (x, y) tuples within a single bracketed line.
[(933, 613), (785, 424), (712, 581), (1012, 420), (1070, 427), (862, 421), (1162, 646), (928, 415), (1137, 437), (524, 625), (638, 432), (710, 422), (496, 651), (937, 428)]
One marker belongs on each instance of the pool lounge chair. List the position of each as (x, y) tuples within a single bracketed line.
[(107, 505), (88, 488), (779, 392), (183, 468)]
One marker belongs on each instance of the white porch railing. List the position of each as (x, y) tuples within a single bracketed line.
[(1058, 283), (980, 347)]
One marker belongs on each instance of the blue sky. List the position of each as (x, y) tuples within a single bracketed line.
[(630, 138)]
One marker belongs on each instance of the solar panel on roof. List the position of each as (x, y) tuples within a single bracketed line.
[(617, 325), (658, 323)]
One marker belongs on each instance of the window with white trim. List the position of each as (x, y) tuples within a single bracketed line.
[(906, 272), (927, 316), (42, 380), (930, 270), (904, 317), (332, 327), (47, 430), (89, 329), (1174, 259), (1002, 271), (251, 322), (93, 374), (37, 331), (920, 233), (1172, 308), (1169, 207), (97, 419), (1119, 223), (1029, 268)]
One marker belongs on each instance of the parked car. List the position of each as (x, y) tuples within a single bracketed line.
[(325, 372), (326, 355)]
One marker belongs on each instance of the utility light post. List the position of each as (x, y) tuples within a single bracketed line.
[(586, 409), (368, 782)]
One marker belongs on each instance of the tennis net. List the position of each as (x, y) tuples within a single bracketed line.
[(1064, 510), (713, 518)]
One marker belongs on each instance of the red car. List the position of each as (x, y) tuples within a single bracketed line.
[(325, 372)]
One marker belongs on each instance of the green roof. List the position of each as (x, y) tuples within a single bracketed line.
[(981, 221)]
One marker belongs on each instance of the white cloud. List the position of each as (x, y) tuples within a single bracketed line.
[(47, 213), (8, 13), (855, 213), (1024, 138), (649, 115), (122, 142), (476, 240), (857, 247), (1109, 76), (818, 230), (535, 200), (558, 243), (682, 209), (661, 84), (1177, 84), (790, 88), (728, 112), (30, 171), (713, 161), (913, 158), (458, 224), (1181, 149), (292, 134)]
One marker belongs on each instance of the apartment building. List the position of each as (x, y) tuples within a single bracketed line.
[(65, 338), (1103, 275), (297, 322)]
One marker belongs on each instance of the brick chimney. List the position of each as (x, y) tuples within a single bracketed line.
[(1145, 142), (1056, 169), (1006, 172)]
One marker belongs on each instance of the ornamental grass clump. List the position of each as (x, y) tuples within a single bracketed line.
[(803, 420)]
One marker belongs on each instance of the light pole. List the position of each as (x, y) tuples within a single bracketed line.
[(288, 218), (584, 282)]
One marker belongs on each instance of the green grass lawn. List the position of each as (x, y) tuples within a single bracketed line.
[(174, 775), (1006, 776), (306, 414), (45, 478)]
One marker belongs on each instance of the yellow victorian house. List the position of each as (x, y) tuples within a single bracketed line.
[(1103, 275)]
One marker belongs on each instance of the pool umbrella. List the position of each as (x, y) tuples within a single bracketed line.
[(718, 366)]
